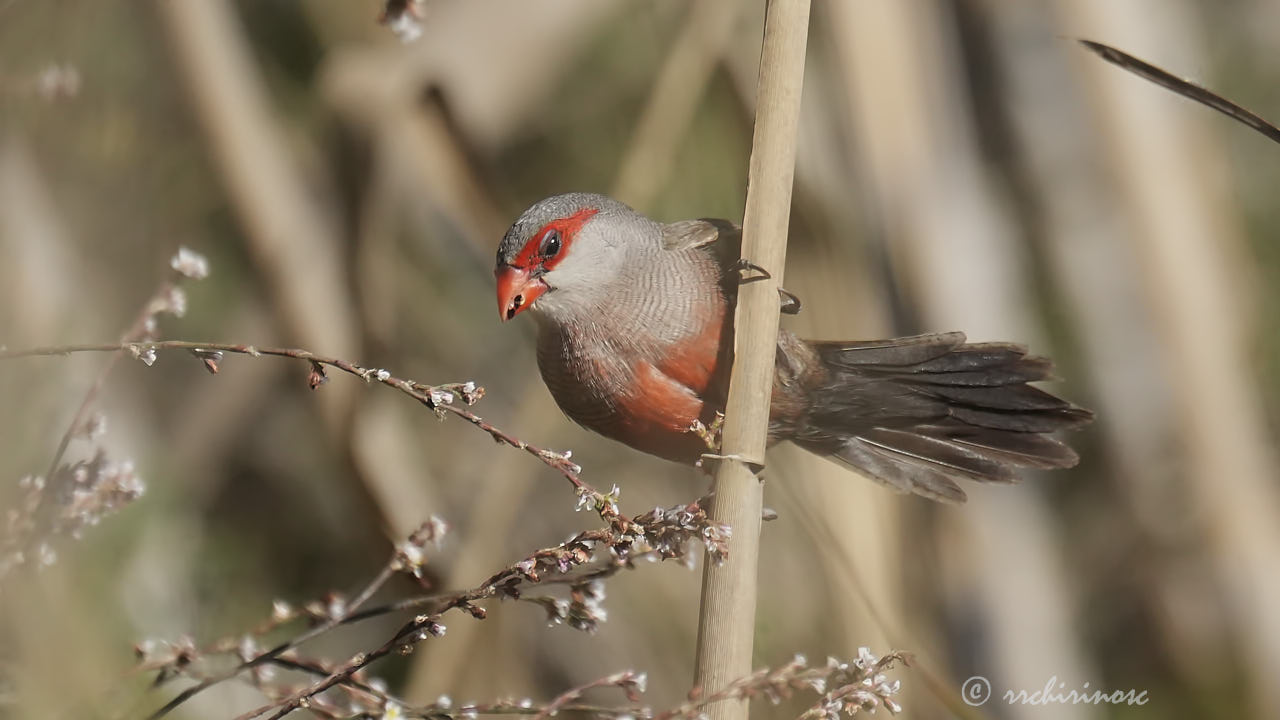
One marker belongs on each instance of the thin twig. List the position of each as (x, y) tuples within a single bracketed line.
[(436, 397), (579, 562), (167, 298), (357, 663), (376, 584), (138, 330), (630, 682)]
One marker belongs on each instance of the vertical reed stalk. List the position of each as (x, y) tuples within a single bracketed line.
[(727, 616)]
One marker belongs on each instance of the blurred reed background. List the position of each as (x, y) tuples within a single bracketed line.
[(964, 165)]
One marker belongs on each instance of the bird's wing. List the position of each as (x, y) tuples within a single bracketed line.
[(721, 235), (722, 240)]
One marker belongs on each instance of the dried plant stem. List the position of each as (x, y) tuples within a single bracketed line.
[(580, 563), (727, 619), (139, 329), (271, 655), (436, 397), (341, 675), (567, 698)]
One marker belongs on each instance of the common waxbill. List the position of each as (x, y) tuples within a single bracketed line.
[(634, 340)]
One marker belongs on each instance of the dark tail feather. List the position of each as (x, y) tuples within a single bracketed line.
[(920, 413)]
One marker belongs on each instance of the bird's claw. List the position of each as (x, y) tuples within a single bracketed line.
[(790, 303), (744, 266)]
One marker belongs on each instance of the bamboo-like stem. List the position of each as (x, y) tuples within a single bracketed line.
[(727, 616)]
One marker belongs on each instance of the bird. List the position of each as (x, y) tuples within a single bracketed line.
[(634, 325)]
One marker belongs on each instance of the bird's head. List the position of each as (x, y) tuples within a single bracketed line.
[(565, 247)]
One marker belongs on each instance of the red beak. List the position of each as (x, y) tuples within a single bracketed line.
[(517, 289)]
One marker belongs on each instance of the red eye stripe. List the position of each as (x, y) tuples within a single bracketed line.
[(568, 227)]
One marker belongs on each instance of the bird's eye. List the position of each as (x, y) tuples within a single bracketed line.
[(550, 244)]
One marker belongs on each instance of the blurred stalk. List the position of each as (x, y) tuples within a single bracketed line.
[(1190, 249), (963, 269), (38, 275), (294, 243), (727, 621), (286, 231), (680, 87), (1072, 209)]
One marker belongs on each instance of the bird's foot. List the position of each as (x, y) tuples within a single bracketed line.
[(790, 303), (744, 267)]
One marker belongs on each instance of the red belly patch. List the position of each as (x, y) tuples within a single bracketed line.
[(655, 415)]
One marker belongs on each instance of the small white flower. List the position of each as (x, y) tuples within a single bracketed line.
[(175, 302), (46, 554), (557, 612), (526, 703), (337, 606), (887, 688), (146, 649), (190, 264), (248, 648), (689, 560), (412, 555), (444, 702), (382, 375), (405, 27), (95, 427), (147, 356), (281, 611), (392, 711), (58, 81)]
